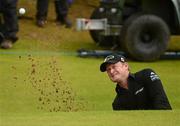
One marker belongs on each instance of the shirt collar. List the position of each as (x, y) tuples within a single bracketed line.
[(130, 86), (131, 75)]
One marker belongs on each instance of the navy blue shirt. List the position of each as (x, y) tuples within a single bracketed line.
[(145, 91)]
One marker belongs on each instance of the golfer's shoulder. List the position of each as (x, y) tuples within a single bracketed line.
[(145, 73)]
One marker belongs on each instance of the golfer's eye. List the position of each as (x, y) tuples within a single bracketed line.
[(109, 69), (114, 67)]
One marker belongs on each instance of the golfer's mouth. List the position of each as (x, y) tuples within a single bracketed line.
[(113, 75)]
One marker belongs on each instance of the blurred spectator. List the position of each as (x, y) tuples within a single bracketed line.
[(61, 8), (8, 23)]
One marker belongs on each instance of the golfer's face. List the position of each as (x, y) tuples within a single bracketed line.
[(117, 72)]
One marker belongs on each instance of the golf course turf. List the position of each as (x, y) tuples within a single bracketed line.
[(44, 83)]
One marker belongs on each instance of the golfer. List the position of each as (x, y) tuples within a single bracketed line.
[(142, 90)]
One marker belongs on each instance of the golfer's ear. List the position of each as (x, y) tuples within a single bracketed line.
[(126, 64)]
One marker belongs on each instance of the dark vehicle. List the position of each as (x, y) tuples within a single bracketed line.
[(141, 28)]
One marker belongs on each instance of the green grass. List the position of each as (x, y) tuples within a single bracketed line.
[(93, 91), (42, 67), (97, 118)]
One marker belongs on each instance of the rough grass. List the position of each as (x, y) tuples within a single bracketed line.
[(43, 82), (54, 37)]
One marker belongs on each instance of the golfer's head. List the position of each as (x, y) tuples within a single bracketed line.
[(116, 67), (111, 59)]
